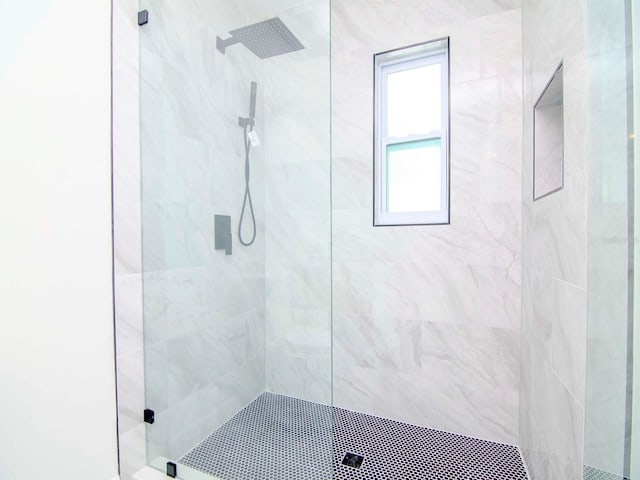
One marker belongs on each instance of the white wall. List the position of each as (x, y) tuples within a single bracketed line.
[(56, 341)]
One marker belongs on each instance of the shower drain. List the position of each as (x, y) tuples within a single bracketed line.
[(352, 460)]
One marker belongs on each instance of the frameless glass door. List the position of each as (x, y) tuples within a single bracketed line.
[(613, 249), (634, 55), (236, 228)]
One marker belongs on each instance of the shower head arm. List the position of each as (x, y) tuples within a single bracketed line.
[(222, 45)]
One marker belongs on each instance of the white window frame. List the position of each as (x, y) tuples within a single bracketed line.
[(385, 63)]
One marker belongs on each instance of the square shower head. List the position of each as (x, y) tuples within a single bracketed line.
[(267, 39)]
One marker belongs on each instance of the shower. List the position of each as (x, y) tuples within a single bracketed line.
[(275, 359), (265, 39)]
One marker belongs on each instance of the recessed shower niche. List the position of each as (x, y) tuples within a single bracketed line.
[(548, 138)]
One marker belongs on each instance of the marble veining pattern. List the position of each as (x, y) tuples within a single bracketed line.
[(204, 311), (288, 281), (554, 301), (298, 210), (427, 319), (206, 316)]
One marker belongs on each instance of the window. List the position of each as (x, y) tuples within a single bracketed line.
[(411, 167)]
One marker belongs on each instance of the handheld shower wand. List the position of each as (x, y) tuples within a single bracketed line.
[(250, 120), (252, 102), (247, 124)]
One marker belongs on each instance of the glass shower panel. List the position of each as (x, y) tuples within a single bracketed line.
[(608, 401), (235, 123), (634, 55)]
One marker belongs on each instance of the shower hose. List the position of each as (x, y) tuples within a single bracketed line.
[(247, 192)]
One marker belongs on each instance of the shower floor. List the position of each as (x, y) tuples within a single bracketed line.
[(277, 437)]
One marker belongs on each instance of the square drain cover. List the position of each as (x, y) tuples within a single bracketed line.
[(352, 460)]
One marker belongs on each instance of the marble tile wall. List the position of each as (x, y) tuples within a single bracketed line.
[(203, 353), (298, 209), (204, 310), (554, 229), (427, 319)]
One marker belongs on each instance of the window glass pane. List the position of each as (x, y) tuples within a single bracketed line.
[(414, 176), (414, 103)]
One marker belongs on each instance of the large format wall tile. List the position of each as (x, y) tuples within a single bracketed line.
[(409, 296), (421, 400), (204, 312), (427, 319), (298, 210), (552, 422), (554, 299), (207, 315)]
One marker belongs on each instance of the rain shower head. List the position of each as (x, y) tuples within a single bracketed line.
[(265, 39)]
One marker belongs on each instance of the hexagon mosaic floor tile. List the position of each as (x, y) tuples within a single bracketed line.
[(277, 437)]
